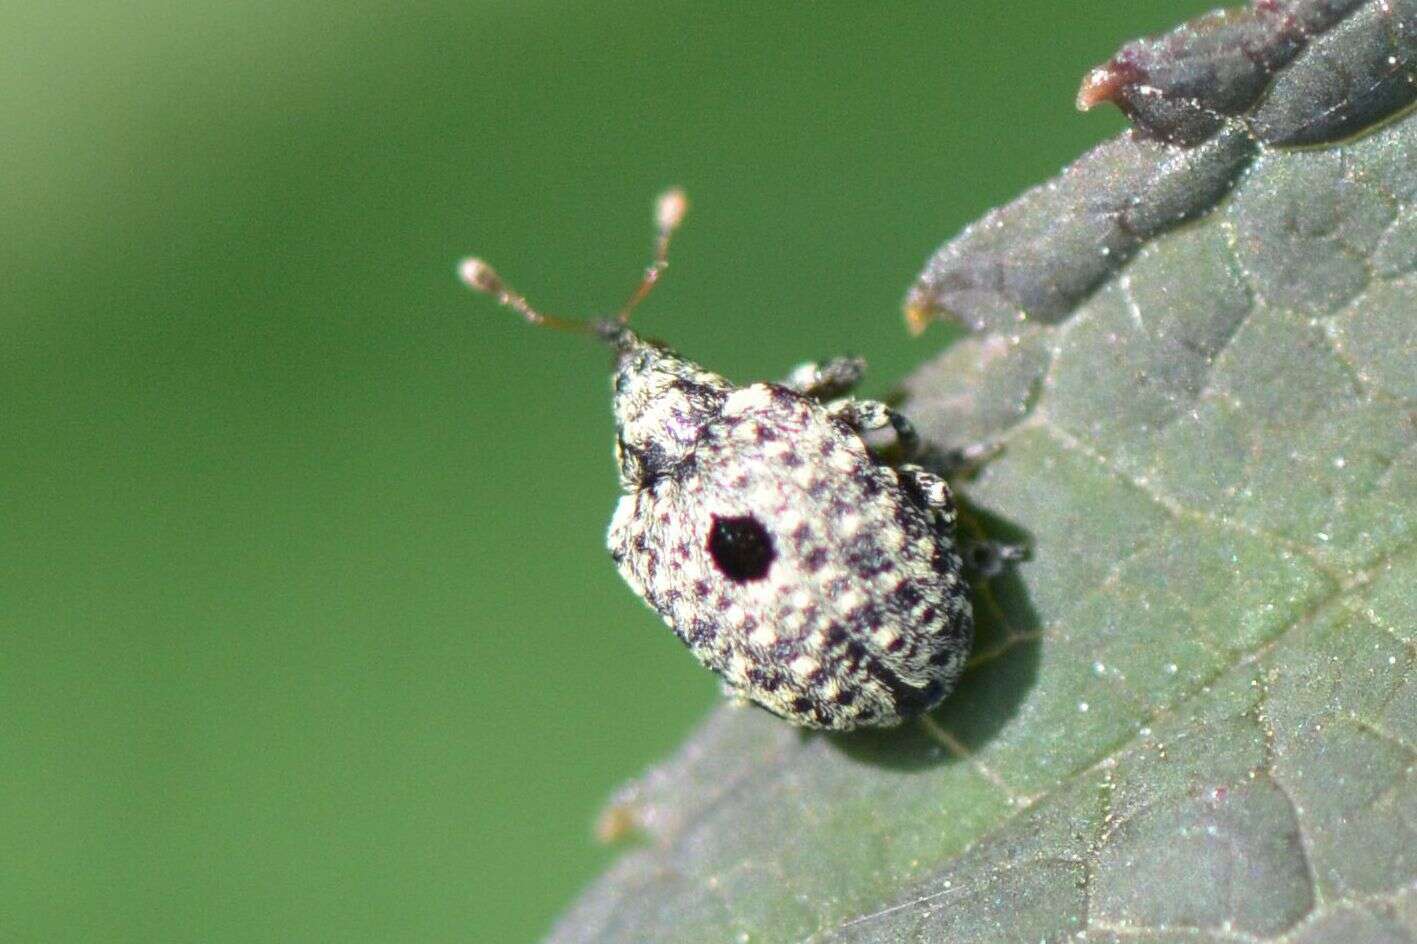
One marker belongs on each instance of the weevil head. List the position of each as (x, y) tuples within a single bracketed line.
[(662, 403)]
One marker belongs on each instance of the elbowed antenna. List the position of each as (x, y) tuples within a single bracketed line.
[(669, 212), (481, 277)]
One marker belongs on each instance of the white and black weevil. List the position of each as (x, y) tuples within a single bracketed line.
[(816, 578)]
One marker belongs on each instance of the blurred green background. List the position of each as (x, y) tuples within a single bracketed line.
[(308, 632)]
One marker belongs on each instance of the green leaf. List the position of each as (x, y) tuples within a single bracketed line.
[(1192, 715)]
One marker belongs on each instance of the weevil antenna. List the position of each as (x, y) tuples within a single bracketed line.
[(481, 277), (669, 212)]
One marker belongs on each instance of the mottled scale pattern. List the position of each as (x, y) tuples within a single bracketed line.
[(813, 577)]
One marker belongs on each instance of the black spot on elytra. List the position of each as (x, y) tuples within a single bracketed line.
[(853, 654), (701, 633), (865, 618), (943, 656), (784, 650), (866, 558), (909, 701), (764, 679), (907, 595), (741, 548)]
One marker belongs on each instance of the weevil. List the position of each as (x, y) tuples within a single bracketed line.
[(818, 577)]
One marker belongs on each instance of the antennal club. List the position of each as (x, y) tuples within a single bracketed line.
[(669, 212), (481, 277)]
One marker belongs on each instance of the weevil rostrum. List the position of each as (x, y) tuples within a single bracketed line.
[(818, 578)]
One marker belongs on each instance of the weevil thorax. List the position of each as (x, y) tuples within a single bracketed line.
[(662, 404)]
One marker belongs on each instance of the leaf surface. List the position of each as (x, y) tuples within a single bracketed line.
[(1192, 715)]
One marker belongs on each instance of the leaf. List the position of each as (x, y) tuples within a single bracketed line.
[(1192, 715)]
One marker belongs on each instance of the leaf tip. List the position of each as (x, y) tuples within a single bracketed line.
[(1101, 84), (616, 823), (918, 314)]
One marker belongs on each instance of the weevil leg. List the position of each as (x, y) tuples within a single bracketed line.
[(991, 558), (933, 491), (867, 415), (961, 460), (984, 558), (823, 380)]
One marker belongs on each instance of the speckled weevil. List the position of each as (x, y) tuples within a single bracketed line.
[(818, 579)]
